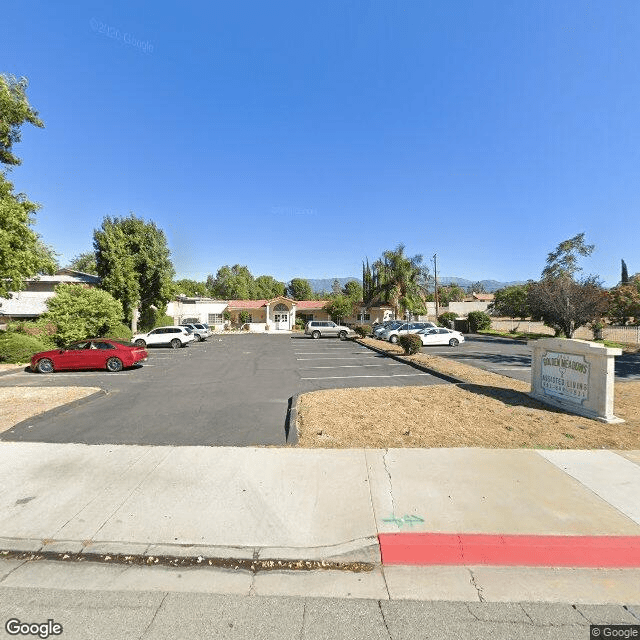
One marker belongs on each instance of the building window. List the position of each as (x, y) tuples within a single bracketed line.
[(307, 317), (215, 318), (281, 308), (364, 316)]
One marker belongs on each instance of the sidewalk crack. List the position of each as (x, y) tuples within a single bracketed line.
[(384, 620), (131, 493), (476, 586), (386, 468), (582, 614), (633, 613), (144, 633), (12, 571), (304, 620)]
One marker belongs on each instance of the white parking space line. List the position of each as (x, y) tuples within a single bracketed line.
[(339, 358), (396, 375), (356, 366)]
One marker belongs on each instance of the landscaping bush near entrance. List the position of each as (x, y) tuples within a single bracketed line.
[(17, 348), (447, 319), (363, 330), (479, 321), (410, 343)]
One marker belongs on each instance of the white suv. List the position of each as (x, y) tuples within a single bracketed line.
[(175, 337)]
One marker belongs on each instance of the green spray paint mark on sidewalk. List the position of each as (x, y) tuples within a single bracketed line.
[(404, 520)]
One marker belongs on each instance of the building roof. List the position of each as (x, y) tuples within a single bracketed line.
[(67, 276), (485, 297), (25, 303)]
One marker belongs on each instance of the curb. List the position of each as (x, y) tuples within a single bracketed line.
[(58, 410), (415, 365), (510, 550), (16, 369), (291, 437)]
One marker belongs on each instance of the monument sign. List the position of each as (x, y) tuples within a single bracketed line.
[(575, 375)]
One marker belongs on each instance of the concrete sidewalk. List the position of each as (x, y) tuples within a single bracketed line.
[(301, 504), (331, 506)]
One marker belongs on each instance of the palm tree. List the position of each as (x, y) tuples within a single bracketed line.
[(400, 280)]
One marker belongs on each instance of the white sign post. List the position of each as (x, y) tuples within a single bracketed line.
[(574, 375)]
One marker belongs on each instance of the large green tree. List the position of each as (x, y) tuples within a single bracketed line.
[(22, 253), (624, 301), (190, 288), (80, 312), (561, 300), (339, 307), (511, 302), (300, 289), (85, 262), (353, 290), (231, 283), (267, 287), (133, 260)]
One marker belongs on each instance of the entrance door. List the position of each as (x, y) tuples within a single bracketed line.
[(282, 321)]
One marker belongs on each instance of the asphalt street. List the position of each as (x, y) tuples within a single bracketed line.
[(512, 358), (228, 391)]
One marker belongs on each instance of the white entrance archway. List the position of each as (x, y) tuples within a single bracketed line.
[(281, 316)]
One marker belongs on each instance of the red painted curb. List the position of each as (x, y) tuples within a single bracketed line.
[(521, 550)]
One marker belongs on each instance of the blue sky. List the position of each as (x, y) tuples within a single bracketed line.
[(300, 137)]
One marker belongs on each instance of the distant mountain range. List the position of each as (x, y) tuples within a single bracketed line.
[(326, 284)]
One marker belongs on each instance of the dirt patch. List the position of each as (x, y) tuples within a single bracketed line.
[(488, 410), (20, 403)]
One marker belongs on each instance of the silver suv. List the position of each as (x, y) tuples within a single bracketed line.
[(325, 328), (200, 331)]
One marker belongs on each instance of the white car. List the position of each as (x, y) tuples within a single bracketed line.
[(174, 337), (440, 335), (394, 332)]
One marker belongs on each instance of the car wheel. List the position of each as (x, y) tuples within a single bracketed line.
[(315, 335), (393, 339), (342, 335), (175, 343), (198, 337), (454, 342), (45, 366), (114, 365), (140, 343)]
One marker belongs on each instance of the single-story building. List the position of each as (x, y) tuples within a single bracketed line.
[(31, 302), (277, 314)]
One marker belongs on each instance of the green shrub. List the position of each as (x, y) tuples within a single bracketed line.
[(80, 312), (445, 318), (300, 323), (122, 333), (244, 317), (40, 329), (479, 321), (16, 348), (411, 343), (363, 330), (162, 321)]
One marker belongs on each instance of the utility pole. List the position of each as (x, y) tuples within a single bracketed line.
[(435, 275)]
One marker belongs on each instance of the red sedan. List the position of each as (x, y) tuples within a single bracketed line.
[(98, 353)]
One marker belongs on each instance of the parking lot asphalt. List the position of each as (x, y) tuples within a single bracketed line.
[(228, 391), (512, 358)]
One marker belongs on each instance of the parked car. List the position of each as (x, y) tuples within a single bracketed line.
[(326, 328), (381, 328), (175, 337), (393, 333), (200, 331), (98, 353), (440, 335)]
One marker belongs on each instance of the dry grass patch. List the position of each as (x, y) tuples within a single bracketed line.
[(489, 410), (20, 403)]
